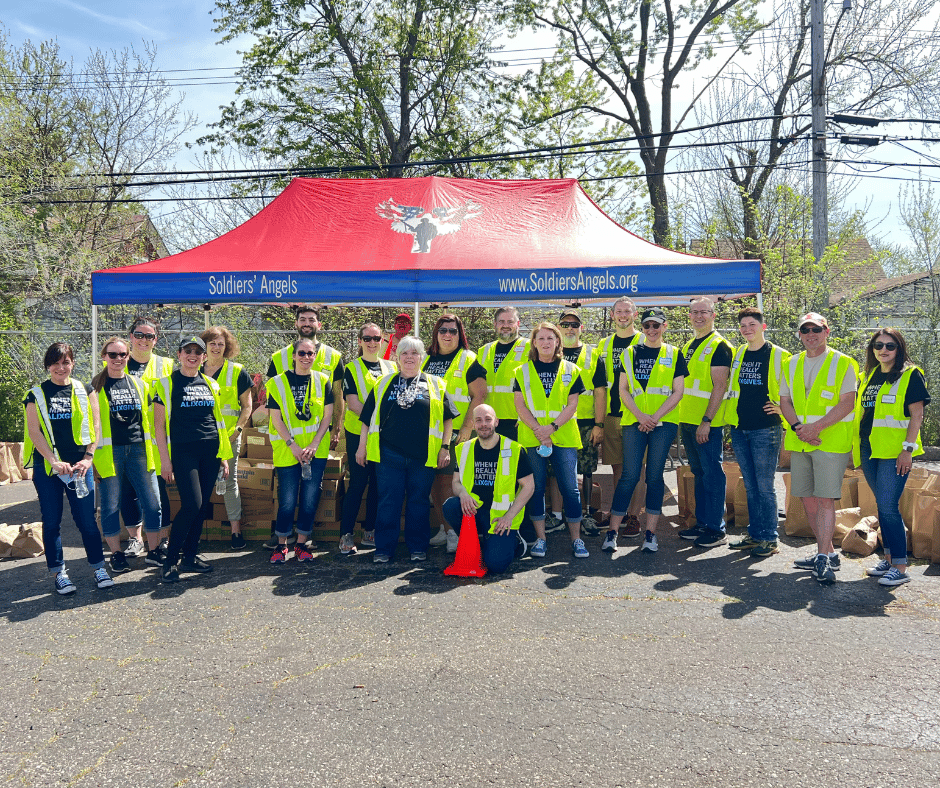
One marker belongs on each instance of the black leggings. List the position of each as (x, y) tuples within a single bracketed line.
[(195, 468)]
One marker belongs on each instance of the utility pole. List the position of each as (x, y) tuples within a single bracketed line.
[(820, 192)]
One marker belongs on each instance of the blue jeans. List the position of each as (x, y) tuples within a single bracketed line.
[(292, 492), (655, 445), (359, 477), (710, 482), (757, 452), (130, 462), (397, 477), (564, 462), (499, 550), (882, 477), (50, 489)]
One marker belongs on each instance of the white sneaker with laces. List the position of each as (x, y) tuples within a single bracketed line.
[(439, 539), (102, 578), (452, 539), (650, 545)]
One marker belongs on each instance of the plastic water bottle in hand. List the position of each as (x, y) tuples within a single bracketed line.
[(220, 483), (305, 471), (81, 488)]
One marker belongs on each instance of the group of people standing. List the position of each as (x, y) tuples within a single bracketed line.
[(482, 435)]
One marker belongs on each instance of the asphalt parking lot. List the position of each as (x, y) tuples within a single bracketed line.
[(684, 668)]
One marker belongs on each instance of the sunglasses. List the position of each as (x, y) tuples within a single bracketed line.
[(142, 335), (809, 329), (444, 330), (652, 325), (114, 354), (191, 351), (306, 353), (568, 324), (885, 346), (371, 339)]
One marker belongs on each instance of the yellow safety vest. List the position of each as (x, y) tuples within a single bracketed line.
[(326, 360), (606, 349), (504, 487), (164, 387), (104, 454), (157, 367), (547, 409), (455, 380), (587, 363), (365, 379), (698, 383), (499, 381), (83, 428), (303, 432), (778, 357), (889, 424), (228, 382), (823, 397), (658, 387), (436, 390)]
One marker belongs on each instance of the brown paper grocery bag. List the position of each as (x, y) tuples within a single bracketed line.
[(861, 540), (784, 460), (849, 498), (28, 542), (935, 542), (686, 507), (926, 503), (846, 520), (796, 523), (732, 475), (741, 517), (919, 479), (4, 464), (866, 499), (8, 534)]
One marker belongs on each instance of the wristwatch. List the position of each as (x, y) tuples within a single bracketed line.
[(289, 442), (238, 429), (555, 426), (92, 454), (706, 420), (911, 447), (599, 424), (796, 424)]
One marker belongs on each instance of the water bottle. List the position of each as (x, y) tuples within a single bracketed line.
[(220, 483), (81, 488), (544, 451), (305, 472)]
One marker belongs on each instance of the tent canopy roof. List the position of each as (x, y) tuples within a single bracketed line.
[(426, 240)]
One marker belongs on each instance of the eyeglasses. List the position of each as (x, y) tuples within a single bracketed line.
[(651, 325), (371, 339), (568, 324), (813, 329), (306, 353), (113, 354), (885, 346), (142, 335), (444, 330), (700, 312), (190, 351)]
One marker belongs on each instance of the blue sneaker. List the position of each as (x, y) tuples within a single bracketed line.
[(894, 577), (539, 548), (880, 569), (580, 551)]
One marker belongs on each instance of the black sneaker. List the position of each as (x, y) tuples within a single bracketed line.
[(711, 539), (809, 563), (195, 564), (119, 562), (238, 542), (155, 557), (170, 574), (692, 533), (822, 570)]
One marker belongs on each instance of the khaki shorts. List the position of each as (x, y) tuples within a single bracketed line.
[(817, 474), (613, 441)]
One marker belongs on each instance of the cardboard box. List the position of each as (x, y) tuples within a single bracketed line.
[(260, 452), (256, 475), (335, 465), (258, 510), (332, 488), (329, 510), (257, 531), (212, 531)]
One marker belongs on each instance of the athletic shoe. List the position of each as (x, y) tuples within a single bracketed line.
[(439, 539), (452, 539), (650, 545), (380, 558), (765, 549), (692, 533), (62, 583), (347, 546), (744, 544), (631, 529), (610, 542), (164, 546), (553, 524), (170, 574), (238, 542), (822, 571), (135, 548), (539, 548), (195, 564), (155, 557), (880, 569), (119, 563), (301, 553), (272, 543), (368, 539), (102, 578), (279, 556), (589, 526), (894, 577), (580, 551), (711, 539), (524, 545), (419, 556), (835, 563)]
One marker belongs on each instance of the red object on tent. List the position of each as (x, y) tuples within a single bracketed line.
[(468, 562)]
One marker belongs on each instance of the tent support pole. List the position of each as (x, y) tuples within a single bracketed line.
[(94, 337), (207, 316), (760, 303), (417, 317)]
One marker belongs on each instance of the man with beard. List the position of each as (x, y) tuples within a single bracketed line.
[(501, 359), (402, 329)]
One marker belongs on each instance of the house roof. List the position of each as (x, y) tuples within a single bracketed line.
[(875, 287)]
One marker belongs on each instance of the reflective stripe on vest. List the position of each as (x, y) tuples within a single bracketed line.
[(83, 431), (587, 362), (499, 381), (436, 390), (104, 454), (606, 348), (504, 485), (364, 380), (547, 408), (823, 396), (659, 387), (165, 387), (303, 432), (698, 383), (231, 405), (889, 424), (455, 380), (733, 394)]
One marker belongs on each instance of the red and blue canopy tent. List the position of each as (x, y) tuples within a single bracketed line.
[(427, 240)]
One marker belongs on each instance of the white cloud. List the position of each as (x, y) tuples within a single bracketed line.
[(126, 23)]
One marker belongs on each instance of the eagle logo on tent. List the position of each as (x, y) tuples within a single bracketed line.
[(425, 226)]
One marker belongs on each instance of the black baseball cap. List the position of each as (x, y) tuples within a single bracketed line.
[(656, 314), (193, 341)]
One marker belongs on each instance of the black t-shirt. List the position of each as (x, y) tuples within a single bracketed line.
[(59, 405), (500, 352), (644, 359), (349, 381), (720, 358), (754, 379), (439, 364), (916, 392), (191, 413), (485, 462), (405, 429), (135, 368), (242, 379), (620, 345), (298, 389), (124, 406), (337, 373), (547, 372), (600, 370)]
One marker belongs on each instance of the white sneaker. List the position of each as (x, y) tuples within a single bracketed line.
[(135, 548), (439, 539), (102, 578), (452, 539), (650, 545)]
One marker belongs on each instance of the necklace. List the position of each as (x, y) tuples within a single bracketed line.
[(408, 395)]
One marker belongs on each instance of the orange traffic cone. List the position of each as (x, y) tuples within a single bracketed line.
[(469, 561)]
